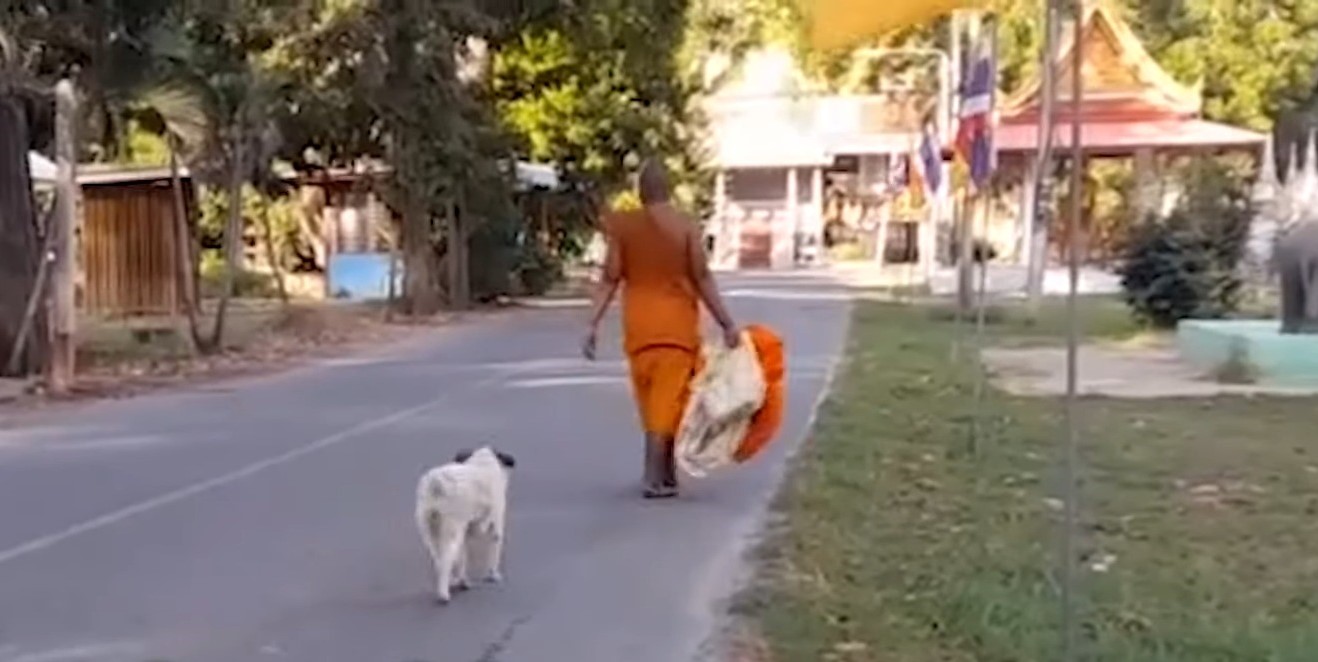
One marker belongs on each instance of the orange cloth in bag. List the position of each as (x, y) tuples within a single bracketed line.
[(766, 422)]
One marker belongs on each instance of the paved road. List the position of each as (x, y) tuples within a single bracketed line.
[(272, 519)]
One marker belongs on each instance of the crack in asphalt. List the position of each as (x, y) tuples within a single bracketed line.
[(497, 646)]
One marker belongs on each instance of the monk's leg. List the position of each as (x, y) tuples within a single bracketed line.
[(643, 365), (672, 390), (669, 475), (658, 457)]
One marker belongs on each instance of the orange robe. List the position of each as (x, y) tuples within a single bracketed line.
[(660, 318), (764, 425)]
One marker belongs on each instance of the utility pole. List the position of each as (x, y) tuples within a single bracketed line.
[(63, 304), (1070, 467)]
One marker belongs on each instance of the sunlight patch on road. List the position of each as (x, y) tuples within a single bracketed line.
[(353, 362), (97, 444), (788, 295), (543, 366), (578, 380), (105, 651), (32, 434)]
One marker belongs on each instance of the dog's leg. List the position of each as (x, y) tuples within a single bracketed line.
[(450, 547), (427, 521), (461, 565), (494, 556)]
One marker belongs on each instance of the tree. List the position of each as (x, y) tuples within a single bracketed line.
[(20, 243), (596, 89), (177, 113), (380, 79), (212, 65), (1255, 58), (105, 46)]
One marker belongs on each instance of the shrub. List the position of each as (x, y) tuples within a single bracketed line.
[(538, 270), (246, 284), (1185, 265)]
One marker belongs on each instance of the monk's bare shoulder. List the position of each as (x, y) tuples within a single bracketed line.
[(676, 224)]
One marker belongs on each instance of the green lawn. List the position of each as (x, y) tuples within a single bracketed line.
[(896, 545)]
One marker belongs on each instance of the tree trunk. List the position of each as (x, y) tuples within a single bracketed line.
[(34, 306), (458, 280), (420, 264), (184, 274), (420, 286), (391, 298), (20, 246), (310, 220), (233, 240)]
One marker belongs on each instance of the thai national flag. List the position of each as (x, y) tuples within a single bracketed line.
[(974, 137), (929, 162), (901, 175)]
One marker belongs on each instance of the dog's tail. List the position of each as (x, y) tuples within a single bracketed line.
[(429, 492), (432, 487)]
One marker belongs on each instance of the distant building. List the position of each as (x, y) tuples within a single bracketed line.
[(786, 156)]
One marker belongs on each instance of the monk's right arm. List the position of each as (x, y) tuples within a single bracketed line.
[(703, 278), (607, 288)]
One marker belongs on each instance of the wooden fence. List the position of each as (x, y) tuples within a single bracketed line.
[(129, 249)]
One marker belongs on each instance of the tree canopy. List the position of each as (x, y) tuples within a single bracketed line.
[(589, 85)]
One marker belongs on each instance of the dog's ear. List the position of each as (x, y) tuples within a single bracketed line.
[(463, 455), (506, 460)]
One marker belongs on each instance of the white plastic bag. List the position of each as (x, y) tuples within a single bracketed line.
[(725, 395)]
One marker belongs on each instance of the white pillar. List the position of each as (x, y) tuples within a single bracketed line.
[(928, 238), (1028, 211), (789, 229), (817, 195)]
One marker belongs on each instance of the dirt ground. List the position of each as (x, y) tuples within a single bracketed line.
[(120, 358), (1148, 369)]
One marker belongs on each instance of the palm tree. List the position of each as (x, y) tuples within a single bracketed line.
[(178, 114), (210, 104)]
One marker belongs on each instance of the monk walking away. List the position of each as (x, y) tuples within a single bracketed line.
[(655, 255)]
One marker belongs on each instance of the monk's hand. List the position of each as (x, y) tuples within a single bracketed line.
[(588, 345), (732, 337)]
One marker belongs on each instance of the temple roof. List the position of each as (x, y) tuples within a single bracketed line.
[(1121, 80), (1125, 137)]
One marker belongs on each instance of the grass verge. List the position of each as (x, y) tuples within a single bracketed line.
[(897, 545)]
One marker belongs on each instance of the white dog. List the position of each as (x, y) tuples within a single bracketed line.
[(460, 510)]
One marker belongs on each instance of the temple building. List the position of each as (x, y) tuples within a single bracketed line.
[(788, 158), (1130, 109), (791, 161)]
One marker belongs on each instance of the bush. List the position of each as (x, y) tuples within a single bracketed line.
[(1185, 266), (246, 284), (538, 270)]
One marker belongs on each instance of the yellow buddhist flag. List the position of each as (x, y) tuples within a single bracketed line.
[(841, 23), (960, 171)]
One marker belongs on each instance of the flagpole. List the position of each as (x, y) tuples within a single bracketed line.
[(1070, 623), (965, 263), (986, 193)]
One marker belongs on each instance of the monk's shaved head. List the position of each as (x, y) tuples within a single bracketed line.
[(652, 183)]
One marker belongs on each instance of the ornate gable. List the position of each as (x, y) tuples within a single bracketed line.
[(1119, 75)]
